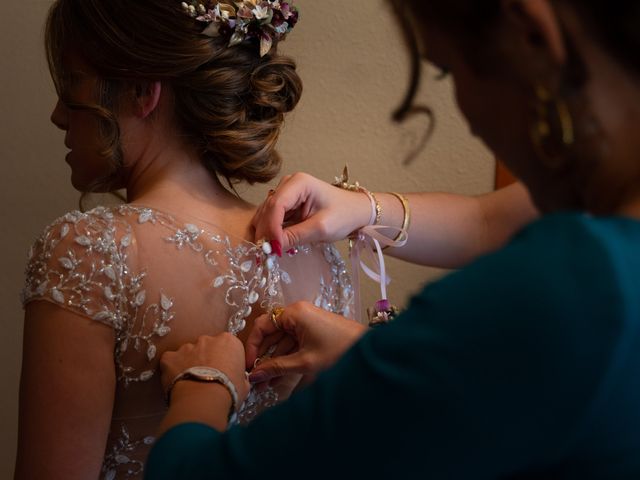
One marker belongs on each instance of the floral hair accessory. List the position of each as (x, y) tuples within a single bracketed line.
[(264, 20)]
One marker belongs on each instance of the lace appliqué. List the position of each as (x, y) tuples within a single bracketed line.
[(81, 263), (255, 403), (337, 295), (91, 277), (118, 460), (249, 274)]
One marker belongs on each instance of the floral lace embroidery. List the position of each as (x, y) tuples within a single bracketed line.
[(250, 275), (100, 267), (118, 456), (102, 237)]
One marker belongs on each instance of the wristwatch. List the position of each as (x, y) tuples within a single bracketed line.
[(207, 375)]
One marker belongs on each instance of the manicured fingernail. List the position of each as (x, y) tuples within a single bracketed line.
[(257, 377), (277, 248), (292, 251)]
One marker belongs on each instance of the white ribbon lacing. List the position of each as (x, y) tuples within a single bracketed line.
[(368, 242)]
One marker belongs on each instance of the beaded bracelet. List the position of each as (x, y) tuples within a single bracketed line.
[(378, 208), (343, 183)]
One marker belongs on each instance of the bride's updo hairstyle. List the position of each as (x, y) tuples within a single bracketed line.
[(230, 102)]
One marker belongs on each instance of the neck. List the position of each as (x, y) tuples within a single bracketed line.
[(170, 176), (166, 172)]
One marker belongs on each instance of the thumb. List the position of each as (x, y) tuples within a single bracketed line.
[(279, 367), (268, 224), (311, 230)]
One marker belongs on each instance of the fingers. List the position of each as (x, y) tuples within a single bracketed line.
[(283, 180), (285, 346), (292, 200), (277, 345), (263, 328), (291, 321), (273, 346), (270, 344), (311, 229), (269, 217), (298, 362), (269, 220)]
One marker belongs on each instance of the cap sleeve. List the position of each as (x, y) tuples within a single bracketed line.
[(79, 263)]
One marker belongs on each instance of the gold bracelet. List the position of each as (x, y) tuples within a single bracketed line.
[(406, 221)]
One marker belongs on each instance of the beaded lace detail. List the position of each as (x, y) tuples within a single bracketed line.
[(92, 264), (117, 458)]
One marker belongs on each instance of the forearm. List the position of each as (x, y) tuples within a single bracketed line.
[(411, 398), (449, 230)]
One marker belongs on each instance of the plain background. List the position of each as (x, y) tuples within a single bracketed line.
[(355, 72)]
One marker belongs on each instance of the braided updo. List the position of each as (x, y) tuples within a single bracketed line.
[(229, 102)]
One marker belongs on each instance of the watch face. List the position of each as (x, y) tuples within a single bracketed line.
[(201, 371)]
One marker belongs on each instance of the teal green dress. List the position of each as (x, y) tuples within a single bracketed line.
[(526, 364)]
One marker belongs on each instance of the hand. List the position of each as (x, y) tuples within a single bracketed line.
[(315, 211), (224, 352), (310, 340)]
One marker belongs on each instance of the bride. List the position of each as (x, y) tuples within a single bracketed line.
[(162, 99)]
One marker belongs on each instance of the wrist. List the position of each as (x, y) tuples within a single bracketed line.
[(206, 376), (360, 214), (193, 391), (192, 401), (362, 210)]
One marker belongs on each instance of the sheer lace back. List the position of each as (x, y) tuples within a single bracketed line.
[(160, 281)]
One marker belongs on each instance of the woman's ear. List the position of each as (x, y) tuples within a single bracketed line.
[(147, 98), (537, 21)]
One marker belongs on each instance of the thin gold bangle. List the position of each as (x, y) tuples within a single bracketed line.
[(406, 221)]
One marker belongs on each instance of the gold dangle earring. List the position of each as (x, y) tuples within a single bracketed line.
[(552, 132)]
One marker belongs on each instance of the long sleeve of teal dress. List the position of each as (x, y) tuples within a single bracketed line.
[(526, 364)]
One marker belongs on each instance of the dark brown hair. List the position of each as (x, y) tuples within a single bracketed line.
[(229, 102), (613, 23), (588, 177)]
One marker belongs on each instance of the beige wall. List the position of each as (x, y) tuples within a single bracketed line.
[(355, 73)]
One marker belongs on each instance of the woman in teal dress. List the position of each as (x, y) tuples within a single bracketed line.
[(523, 364)]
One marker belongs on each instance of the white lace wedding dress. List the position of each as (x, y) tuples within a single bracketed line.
[(159, 281)]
